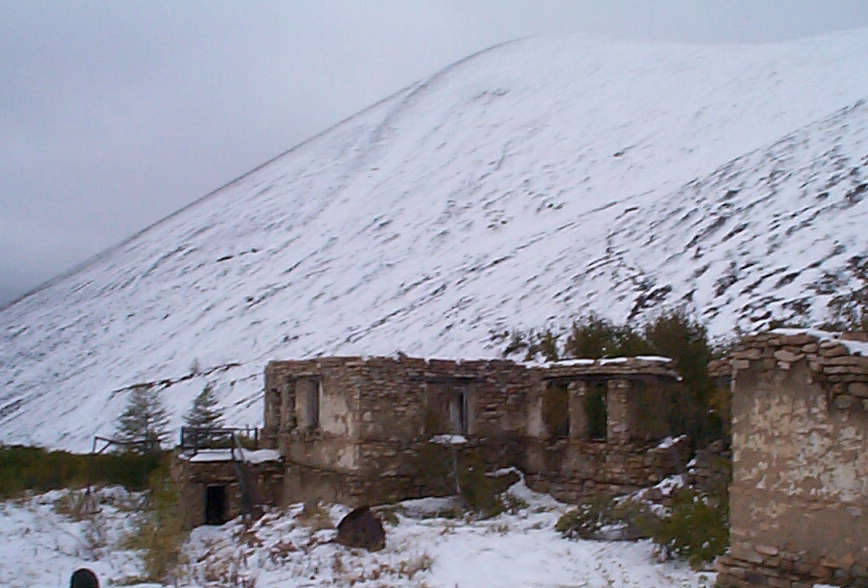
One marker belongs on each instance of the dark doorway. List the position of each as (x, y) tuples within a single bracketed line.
[(215, 505)]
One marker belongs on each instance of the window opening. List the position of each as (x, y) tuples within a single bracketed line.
[(595, 409), (313, 397), (556, 409), (447, 411), (462, 412), (309, 395)]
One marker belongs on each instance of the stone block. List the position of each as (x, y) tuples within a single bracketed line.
[(842, 369), (788, 356), (752, 577), (749, 353), (767, 549), (799, 339), (830, 349), (822, 572), (752, 557), (858, 389), (855, 360)]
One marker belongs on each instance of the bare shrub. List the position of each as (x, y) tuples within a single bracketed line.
[(159, 532), (227, 571), (410, 567), (76, 505), (95, 537), (388, 516), (314, 516)]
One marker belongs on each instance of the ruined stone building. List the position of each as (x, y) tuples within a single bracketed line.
[(369, 431), (799, 494), (359, 431)]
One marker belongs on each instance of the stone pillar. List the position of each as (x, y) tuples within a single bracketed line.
[(287, 404), (271, 416), (579, 428), (617, 411)]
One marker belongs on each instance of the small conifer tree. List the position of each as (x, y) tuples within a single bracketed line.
[(145, 418), (205, 412)]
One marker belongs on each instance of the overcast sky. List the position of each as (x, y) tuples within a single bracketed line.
[(114, 114)]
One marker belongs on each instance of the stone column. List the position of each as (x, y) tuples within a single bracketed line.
[(618, 411), (579, 428), (287, 404)]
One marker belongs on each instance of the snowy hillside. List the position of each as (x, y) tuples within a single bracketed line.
[(525, 184)]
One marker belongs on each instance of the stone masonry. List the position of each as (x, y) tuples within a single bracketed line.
[(799, 495), (358, 430), (195, 474)]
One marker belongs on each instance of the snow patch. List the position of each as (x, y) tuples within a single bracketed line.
[(448, 439)]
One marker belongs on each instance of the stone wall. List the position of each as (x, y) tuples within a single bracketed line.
[(384, 412), (710, 470), (371, 441), (640, 395), (799, 495), (572, 469), (192, 478)]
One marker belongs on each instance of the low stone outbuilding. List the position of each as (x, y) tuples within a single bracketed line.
[(799, 495), (216, 485)]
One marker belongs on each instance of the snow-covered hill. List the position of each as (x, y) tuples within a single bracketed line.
[(523, 185)]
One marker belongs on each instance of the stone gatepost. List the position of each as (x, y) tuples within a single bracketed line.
[(618, 410)]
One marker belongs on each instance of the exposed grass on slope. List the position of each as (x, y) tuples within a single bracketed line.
[(33, 468)]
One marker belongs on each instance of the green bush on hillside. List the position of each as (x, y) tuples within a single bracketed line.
[(33, 468)]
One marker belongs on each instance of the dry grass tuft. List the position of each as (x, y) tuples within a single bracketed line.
[(314, 516)]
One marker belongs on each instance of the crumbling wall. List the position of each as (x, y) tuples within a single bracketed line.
[(573, 469), (618, 455), (799, 496), (393, 407), (372, 442)]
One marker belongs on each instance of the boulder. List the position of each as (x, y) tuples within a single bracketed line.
[(361, 528)]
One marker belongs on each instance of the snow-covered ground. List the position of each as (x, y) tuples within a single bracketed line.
[(40, 547), (520, 187)]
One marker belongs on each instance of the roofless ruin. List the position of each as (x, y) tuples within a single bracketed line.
[(376, 430)]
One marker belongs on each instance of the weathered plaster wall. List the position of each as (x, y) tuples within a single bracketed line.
[(799, 496)]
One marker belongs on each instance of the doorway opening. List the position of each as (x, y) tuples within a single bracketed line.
[(215, 505)]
